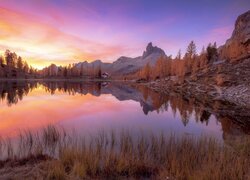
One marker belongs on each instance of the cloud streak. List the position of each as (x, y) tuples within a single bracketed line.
[(66, 31), (38, 40)]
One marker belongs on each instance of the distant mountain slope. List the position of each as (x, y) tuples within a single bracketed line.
[(125, 65)]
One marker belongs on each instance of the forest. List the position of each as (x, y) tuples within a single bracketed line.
[(13, 66), (180, 66), (71, 71)]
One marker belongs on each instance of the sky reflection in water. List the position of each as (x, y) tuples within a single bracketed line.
[(93, 107)]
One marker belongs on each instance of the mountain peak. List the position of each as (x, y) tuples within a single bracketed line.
[(150, 49), (149, 46)]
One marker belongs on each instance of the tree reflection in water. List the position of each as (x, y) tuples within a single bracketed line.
[(228, 115)]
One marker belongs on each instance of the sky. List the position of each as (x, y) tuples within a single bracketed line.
[(70, 31)]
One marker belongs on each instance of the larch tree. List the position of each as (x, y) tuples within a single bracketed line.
[(20, 63), (99, 72), (191, 50), (82, 70), (159, 68), (69, 70), (178, 56), (65, 72), (8, 58), (1, 60), (146, 71), (26, 67), (14, 59), (203, 57)]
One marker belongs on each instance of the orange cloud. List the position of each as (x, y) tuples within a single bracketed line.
[(41, 43)]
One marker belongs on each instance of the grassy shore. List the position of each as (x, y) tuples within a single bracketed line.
[(54, 154)]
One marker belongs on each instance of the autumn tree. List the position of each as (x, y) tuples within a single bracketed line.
[(99, 72), (191, 50), (1, 64), (75, 71), (69, 70), (32, 70), (8, 58), (203, 58), (65, 72), (178, 56), (180, 68), (1, 60), (159, 70), (20, 63), (82, 70), (14, 59), (189, 58), (26, 67), (145, 73)]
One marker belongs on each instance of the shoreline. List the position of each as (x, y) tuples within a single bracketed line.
[(71, 80), (213, 101), (235, 94), (238, 95)]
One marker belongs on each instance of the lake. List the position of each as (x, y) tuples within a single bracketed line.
[(91, 107)]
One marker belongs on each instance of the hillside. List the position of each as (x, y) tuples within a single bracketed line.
[(225, 81)]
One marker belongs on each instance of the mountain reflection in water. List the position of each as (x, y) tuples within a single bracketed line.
[(182, 109)]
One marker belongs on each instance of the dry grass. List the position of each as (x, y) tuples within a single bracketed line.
[(119, 155)]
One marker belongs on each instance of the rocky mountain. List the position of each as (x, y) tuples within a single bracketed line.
[(238, 46), (152, 50), (94, 64), (125, 65)]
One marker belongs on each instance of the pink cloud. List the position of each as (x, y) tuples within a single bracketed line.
[(36, 39)]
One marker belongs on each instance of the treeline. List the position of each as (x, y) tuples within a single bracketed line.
[(180, 66), (72, 71), (13, 66)]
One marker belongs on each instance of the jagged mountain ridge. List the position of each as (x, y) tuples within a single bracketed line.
[(126, 65)]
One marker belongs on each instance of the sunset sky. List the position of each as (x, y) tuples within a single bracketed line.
[(68, 31)]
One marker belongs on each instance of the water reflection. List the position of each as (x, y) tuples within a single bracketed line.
[(13, 91), (231, 119)]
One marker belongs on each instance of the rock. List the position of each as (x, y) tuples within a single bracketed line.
[(239, 44), (142, 80), (126, 65), (150, 49), (222, 79)]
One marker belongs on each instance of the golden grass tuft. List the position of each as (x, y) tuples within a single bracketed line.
[(56, 171), (121, 155)]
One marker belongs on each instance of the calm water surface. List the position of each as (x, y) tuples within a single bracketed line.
[(89, 107)]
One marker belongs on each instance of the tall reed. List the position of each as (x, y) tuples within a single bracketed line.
[(121, 155)]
